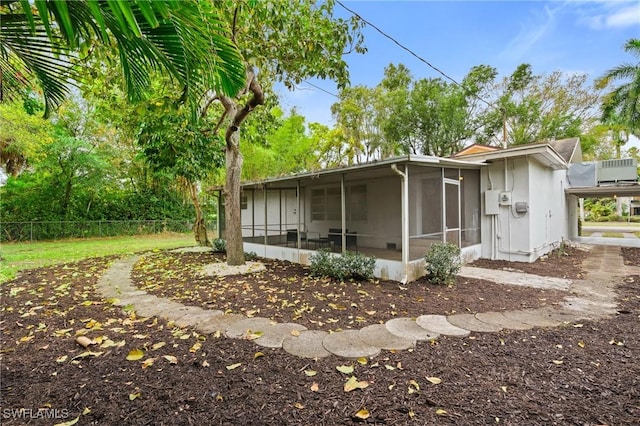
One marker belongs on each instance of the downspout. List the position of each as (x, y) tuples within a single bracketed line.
[(298, 243), (266, 225), (343, 215), (405, 222)]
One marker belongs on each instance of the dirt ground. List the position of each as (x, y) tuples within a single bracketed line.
[(145, 371)]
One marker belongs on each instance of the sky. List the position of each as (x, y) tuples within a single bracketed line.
[(570, 36)]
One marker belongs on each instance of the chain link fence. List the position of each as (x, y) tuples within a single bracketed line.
[(57, 230)]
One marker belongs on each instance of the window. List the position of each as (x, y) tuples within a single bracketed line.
[(317, 204), (326, 203), (357, 203), (243, 201)]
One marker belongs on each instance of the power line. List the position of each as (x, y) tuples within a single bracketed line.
[(321, 89), (421, 59)]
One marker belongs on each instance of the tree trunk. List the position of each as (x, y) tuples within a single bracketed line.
[(233, 223), (200, 225)]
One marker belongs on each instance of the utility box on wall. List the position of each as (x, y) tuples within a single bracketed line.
[(491, 204), (505, 198)]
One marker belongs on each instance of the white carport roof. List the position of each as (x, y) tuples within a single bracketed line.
[(620, 190)]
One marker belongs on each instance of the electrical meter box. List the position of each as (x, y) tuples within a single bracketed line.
[(505, 198)]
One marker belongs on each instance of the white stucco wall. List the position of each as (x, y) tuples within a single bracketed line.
[(523, 237)]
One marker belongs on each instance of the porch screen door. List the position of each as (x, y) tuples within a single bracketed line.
[(451, 212)]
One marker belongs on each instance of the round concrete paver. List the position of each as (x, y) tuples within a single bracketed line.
[(218, 323), (535, 317), (409, 328), (175, 313), (307, 345), (439, 324), (196, 318), (348, 344), (275, 334), (499, 319), (135, 300), (471, 323), (152, 309), (244, 328), (378, 335)]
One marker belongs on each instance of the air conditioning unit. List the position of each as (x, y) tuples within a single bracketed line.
[(622, 170)]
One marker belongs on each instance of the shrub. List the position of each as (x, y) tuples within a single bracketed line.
[(250, 256), (442, 263), (357, 265), (322, 263), (219, 245), (350, 265)]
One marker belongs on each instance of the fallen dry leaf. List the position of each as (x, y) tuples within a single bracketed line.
[(135, 355)]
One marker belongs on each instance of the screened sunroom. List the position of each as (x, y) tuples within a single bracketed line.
[(393, 209)]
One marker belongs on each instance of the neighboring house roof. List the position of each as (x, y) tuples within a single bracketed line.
[(569, 149), (476, 148), (542, 152)]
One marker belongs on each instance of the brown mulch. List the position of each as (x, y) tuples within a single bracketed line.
[(286, 292), (579, 374)]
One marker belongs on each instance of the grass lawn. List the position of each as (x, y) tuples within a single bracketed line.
[(611, 224), (15, 257), (612, 235)]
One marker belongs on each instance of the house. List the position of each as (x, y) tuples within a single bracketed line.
[(510, 204)]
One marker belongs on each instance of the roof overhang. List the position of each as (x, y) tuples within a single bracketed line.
[(543, 153), (373, 169), (605, 191)]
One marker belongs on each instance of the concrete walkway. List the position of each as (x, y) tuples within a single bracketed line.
[(592, 298)]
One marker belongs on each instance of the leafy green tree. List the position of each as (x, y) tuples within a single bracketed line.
[(431, 116), (288, 149), (280, 41), (175, 146), (356, 115), (622, 104), (182, 39), (21, 137), (539, 108)]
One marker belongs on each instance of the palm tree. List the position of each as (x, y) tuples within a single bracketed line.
[(184, 39), (622, 105)]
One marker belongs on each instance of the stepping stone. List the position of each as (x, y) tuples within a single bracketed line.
[(245, 327), (471, 323), (439, 324), (409, 328), (580, 308), (275, 334), (191, 320), (219, 323), (515, 278), (177, 311), (133, 293), (378, 335), (134, 300), (307, 345), (194, 249), (152, 309), (504, 321), (111, 293), (534, 317), (348, 344)]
